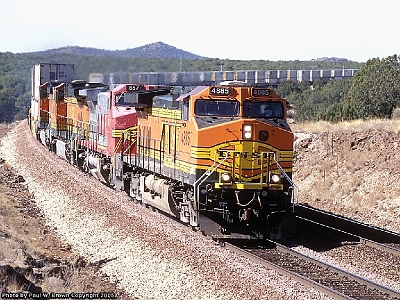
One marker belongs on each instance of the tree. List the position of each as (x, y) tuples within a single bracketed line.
[(13, 98), (322, 101), (375, 92), (15, 73)]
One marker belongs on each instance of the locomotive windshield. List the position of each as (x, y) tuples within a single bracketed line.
[(126, 99), (220, 108), (263, 109)]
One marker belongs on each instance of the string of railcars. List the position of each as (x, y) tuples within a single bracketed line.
[(218, 158), (257, 77)]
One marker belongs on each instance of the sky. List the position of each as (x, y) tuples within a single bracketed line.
[(274, 30)]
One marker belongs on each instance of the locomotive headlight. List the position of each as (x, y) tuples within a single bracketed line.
[(226, 177), (247, 128), (275, 178), (247, 131)]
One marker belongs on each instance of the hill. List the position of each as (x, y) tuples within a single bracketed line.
[(331, 59), (153, 50)]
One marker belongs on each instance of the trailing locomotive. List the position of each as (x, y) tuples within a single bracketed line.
[(216, 157)]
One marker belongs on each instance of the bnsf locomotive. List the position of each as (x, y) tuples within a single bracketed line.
[(216, 157)]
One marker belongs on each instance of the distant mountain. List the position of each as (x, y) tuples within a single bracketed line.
[(330, 59), (154, 50)]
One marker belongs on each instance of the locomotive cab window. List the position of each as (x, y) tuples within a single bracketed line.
[(263, 109), (126, 99), (221, 108), (165, 101)]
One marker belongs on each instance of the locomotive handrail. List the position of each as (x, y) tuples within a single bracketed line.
[(132, 132), (293, 185), (132, 139), (207, 174), (234, 152), (210, 170)]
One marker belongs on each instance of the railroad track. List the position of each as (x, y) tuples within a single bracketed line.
[(326, 278), (347, 225), (330, 280), (371, 236)]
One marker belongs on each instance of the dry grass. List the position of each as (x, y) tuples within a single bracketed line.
[(351, 168), (348, 126)]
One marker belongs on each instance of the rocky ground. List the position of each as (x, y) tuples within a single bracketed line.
[(32, 257)]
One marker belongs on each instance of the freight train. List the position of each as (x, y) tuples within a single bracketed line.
[(271, 77), (218, 158)]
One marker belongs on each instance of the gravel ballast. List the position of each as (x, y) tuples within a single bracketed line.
[(149, 255)]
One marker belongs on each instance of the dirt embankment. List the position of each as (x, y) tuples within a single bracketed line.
[(32, 257), (351, 169)]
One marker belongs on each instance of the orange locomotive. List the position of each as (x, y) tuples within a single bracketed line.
[(216, 157)]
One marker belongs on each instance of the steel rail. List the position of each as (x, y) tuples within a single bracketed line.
[(300, 278), (351, 226), (309, 282), (362, 240), (355, 277)]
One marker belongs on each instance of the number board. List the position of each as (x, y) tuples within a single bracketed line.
[(257, 92), (220, 91), (132, 87)]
